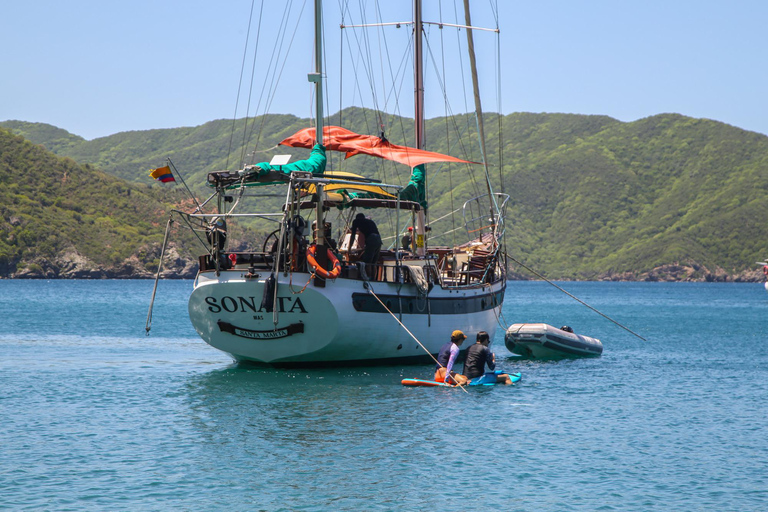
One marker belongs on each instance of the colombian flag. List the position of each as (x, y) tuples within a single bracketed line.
[(162, 174)]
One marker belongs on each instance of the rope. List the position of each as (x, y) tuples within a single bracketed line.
[(370, 290), (290, 283), (575, 298), (148, 326)]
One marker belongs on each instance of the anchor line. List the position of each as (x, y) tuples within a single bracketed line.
[(370, 290), (574, 297)]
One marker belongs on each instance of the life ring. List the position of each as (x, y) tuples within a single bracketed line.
[(765, 270), (312, 261)]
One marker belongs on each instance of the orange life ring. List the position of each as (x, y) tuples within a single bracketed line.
[(765, 270), (333, 274)]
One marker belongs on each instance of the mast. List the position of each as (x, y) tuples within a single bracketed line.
[(420, 228), (317, 78), (476, 90), (418, 74)]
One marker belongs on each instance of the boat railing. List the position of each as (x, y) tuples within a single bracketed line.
[(484, 215), (465, 271)]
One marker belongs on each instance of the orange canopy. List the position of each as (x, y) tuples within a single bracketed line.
[(337, 138)]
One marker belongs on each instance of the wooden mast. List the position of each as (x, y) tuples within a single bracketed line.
[(317, 78), (479, 110), (421, 140)]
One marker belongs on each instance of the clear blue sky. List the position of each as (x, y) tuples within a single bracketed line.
[(96, 68)]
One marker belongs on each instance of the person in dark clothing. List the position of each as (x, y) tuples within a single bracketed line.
[(372, 238), (478, 356), (407, 240)]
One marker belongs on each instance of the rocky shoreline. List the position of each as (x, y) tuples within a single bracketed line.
[(671, 273), (72, 265), (688, 273)]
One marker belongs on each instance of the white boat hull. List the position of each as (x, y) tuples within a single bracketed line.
[(341, 324), (543, 341)]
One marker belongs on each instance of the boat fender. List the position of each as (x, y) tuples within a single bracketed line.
[(268, 299), (319, 270)]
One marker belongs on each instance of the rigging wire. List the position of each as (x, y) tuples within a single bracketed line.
[(240, 81), (499, 98), (275, 75), (447, 137), (529, 269), (341, 68), (362, 51), (465, 152), (370, 290), (394, 90), (461, 63), (246, 133)]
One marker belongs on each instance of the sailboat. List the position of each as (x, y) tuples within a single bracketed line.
[(306, 298)]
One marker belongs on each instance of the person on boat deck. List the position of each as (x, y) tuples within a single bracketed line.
[(407, 240), (372, 238), (446, 359), (478, 356)]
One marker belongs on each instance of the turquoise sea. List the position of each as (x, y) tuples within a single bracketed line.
[(97, 416)]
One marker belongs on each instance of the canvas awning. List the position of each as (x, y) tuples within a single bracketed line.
[(337, 138)]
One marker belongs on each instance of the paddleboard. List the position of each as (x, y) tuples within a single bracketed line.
[(425, 383), (485, 380)]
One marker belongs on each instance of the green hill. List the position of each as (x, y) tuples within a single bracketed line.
[(62, 219), (53, 138), (666, 197)]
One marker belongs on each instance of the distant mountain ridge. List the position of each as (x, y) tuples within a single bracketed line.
[(663, 198)]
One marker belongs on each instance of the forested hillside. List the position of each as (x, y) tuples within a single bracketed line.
[(62, 219), (666, 197)]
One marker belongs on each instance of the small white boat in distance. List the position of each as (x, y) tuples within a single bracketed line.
[(543, 341), (765, 272)]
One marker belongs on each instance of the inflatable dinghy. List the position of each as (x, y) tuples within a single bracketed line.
[(542, 341), (485, 380)]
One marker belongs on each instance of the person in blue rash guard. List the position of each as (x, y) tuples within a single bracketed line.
[(478, 356), (446, 358)]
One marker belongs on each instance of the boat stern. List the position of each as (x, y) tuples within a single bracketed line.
[(230, 313)]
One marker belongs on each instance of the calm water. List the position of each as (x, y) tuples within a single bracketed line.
[(95, 415)]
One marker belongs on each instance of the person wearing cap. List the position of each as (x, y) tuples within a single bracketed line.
[(446, 359), (372, 238), (478, 356), (407, 240)]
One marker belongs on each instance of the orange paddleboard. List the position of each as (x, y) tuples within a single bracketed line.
[(425, 383)]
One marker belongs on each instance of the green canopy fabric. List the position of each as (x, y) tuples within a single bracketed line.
[(415, 190), (314, 164)]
